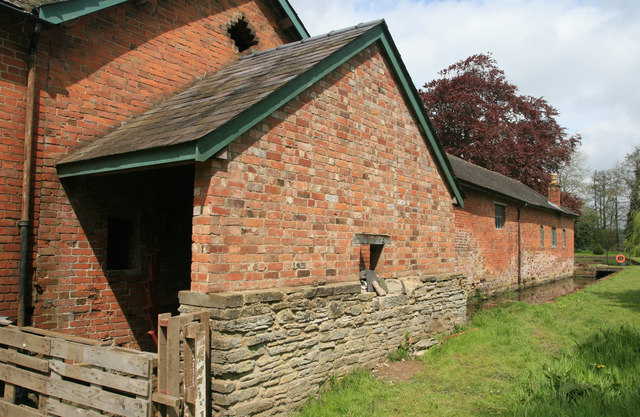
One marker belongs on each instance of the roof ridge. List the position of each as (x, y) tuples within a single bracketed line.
[(315, 38)]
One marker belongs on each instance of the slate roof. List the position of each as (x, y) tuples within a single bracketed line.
[(481, 178), (219, 98), (29, 5)]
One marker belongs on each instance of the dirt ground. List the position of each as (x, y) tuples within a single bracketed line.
[(400, 371)]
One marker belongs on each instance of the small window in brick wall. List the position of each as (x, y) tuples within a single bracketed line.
[(241, 35), (553, 237), (541, 237), (564, 238), (119, 244), (499, 210)]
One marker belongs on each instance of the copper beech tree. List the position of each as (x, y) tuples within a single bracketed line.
[(480, 117)]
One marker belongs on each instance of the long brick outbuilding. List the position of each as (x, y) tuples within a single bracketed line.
[(193, 155)]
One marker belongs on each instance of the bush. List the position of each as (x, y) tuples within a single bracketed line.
[(598, 250)]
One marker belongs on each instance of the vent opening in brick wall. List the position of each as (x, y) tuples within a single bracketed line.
[(242, 35), (371, 247)]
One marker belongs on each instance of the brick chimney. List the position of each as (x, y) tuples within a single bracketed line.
[(554, 190)]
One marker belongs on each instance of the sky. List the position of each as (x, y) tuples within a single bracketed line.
[(582, 56)]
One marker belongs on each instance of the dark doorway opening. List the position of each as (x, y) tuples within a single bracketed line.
[(139, 226)]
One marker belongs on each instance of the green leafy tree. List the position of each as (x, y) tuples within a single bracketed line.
[(585, 229), (632, 242), (632, 180)]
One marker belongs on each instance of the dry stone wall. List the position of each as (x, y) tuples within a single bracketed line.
[(273, 349)]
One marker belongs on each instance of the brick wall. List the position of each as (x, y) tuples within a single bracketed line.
[(489, 256), (94, 74), (343, 158), (13, 72), (548, 263)]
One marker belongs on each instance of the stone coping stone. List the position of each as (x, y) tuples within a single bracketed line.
[(440, 278), (234, 299)]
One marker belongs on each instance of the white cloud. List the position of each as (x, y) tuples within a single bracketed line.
[(583, 56)]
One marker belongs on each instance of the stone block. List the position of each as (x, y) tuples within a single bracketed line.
[(223, 342), (265, 338), (223, 370), (354, 310), (304, 316), (253, 407), (325, 291), (224, 313), (335, 309), (234, 397), (262, 296), (222, 386), (215, 300), (420, 347), (348, 288), (245, 324), (391, 301), (255, 310), (236, 355), (394, 286)]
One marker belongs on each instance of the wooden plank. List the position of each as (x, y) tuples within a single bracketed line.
[(173, 360), (203, 367), (64, 336), (12, 336), (9, 393), (96, 398), (163, 322), (169, 401), (23, 378), (11, 356), (189, 374), (12, 410), (105, 379), (57, 408), (151, 386), (132, 362)]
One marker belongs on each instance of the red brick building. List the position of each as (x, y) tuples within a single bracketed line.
[(508, 235), (95, 68), (209, 155), (170, 153)]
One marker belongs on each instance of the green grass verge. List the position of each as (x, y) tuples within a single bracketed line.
[(578, 356)]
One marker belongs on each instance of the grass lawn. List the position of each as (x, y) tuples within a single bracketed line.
[(578, 356)]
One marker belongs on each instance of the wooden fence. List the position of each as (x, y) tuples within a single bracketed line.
[(184, 381), (44, 373)]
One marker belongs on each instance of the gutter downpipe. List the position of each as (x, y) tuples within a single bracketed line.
[(25, 219), (520, 248)]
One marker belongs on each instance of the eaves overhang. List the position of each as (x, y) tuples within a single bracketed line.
[(57, 13), (208, 145), (295, 19), (64, 11)]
